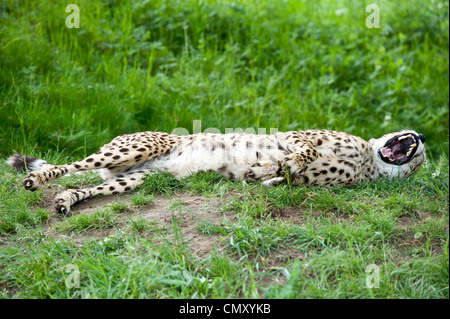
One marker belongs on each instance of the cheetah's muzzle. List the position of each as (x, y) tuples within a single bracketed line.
[(401, 149)]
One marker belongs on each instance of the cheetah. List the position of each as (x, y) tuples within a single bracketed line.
[(313, 157)]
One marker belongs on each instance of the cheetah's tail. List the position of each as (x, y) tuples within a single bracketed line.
[(22, 163)]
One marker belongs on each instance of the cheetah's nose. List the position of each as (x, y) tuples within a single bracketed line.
[(422, 138)]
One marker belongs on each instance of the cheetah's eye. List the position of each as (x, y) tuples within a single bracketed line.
[(399, 150)]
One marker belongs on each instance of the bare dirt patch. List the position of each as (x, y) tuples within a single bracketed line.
[(183, 212), (408, 237), (189, 211), (290, 214)]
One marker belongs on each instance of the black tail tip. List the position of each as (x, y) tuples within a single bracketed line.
[(20, 162)]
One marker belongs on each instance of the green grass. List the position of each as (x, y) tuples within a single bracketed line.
[(156, 65), (323, 253), (100, 219), (141, 199), (160, 65)]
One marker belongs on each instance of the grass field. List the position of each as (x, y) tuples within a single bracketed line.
[(161, 65)]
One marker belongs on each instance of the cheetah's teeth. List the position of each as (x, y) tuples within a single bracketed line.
[(403, 137), (411, 149)]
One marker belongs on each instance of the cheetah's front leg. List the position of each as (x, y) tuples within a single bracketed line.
[(265, 170), (296, 162), (302, 153), (274, 172)]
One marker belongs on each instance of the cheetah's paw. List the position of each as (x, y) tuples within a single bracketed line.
[(292, 164), (63, 202), (263, 171), (33, 182)]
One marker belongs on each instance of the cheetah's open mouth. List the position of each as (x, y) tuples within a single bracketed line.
[(399, 150)]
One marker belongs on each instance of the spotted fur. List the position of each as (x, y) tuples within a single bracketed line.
[(314, 157)]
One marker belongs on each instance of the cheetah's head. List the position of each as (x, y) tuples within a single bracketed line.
[(399, 154)]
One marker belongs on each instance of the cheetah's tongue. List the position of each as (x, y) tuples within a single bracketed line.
[(394, 152), (398, 150)]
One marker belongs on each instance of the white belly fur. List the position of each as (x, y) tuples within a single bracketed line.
[(218, 152)]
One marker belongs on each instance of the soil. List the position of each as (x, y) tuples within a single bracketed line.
[(189, 211)]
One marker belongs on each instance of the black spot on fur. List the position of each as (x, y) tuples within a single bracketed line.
[(116, 157), (97, 164), (90, 159), (333, 169), (111, 188)]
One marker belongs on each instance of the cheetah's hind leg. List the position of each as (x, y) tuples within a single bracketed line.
[(123, 182), (116, 160)]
